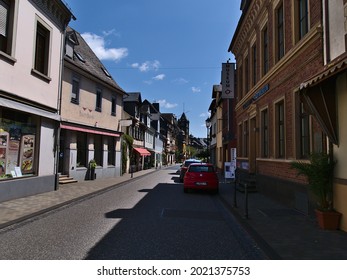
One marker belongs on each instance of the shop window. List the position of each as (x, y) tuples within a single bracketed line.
[(245, 139), (81, 149), (111, 151), (239, 139), (98, 149), (265, 133), (280, 130), (42, 49), (304, 132), (18, 144)]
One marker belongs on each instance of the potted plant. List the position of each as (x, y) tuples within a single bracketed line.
[(92, 166), (319, 171)]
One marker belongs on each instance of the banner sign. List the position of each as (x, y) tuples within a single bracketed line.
[(228, 83)]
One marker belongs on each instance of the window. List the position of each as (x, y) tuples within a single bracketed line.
[(280, 131), (75, 92), (42, 49), (98, 149), (304, 132), (265, 36), (98, 100), (265, 133), (254, 62), (6, 25), (114, 106), (19, 150), (245, 139), (279, 32), (240, 83), (301, 18), (246, 75), (81, 149), (111, 151), (239, 139)]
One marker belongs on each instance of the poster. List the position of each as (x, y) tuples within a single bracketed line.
[(26, 155), (4, 142)]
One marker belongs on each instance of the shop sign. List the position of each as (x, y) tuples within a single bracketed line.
[(228, 73), (256, 96)]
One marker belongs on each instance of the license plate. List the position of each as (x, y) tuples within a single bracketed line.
[(201, 183)]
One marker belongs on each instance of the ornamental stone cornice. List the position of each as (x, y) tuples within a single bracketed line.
[(247, 25)]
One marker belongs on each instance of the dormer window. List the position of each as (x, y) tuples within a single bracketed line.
[(106, 72), (80, 57)]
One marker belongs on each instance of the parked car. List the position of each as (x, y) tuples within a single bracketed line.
[(185, 166), (201, 176)]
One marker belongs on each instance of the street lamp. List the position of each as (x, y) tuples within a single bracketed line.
[(208, 125)]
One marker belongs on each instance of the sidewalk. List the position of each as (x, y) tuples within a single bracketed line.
[(17, 210), (281, 232), (284, 233)]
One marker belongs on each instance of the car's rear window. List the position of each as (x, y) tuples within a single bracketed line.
[(201, 168), (187, 163)]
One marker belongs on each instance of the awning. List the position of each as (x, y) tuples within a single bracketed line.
[(319, 97), (142, 151), (28, 109), (88, 130)]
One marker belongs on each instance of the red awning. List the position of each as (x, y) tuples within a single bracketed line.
[(142, 151), (88, 130)]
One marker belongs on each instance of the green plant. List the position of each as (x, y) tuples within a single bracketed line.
[(92, 164), (319, 172)]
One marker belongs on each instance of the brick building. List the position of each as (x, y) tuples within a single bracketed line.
[(277, 45)]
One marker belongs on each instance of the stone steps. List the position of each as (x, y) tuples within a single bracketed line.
[(65, 179)]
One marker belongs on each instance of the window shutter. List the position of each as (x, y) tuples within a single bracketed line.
[(3, 18)]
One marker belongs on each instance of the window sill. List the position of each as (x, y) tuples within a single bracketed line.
[(41, 76), (7, 58)]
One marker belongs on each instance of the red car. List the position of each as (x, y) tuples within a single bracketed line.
[(201, 176)]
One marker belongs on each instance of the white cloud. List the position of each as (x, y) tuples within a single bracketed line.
[(196, 89), (204, 115), (111, 32), (97, 44), (180, 81), (159, 77), (147, 66), (164, 104)]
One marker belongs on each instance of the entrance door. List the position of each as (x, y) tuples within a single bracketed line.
[(61, 153)]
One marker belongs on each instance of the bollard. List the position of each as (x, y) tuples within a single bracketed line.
[(246, 201)]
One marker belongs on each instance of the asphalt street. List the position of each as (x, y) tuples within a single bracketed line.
[(150, 218)]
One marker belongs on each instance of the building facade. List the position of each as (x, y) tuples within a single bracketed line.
[(91, 109), (277, 45), (326, 96), (31, 49)]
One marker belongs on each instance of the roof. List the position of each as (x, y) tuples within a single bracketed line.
[(133, 97), (330, 70), (85, 59)]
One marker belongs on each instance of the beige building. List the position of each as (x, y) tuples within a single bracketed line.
[(31, 46), (91, 110)]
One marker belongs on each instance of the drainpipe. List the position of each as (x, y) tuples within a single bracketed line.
[(60, 91)]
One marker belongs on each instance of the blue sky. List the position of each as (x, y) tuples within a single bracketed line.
[(170, 51)]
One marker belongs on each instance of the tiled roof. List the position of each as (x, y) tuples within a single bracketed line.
[(89, 62)]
